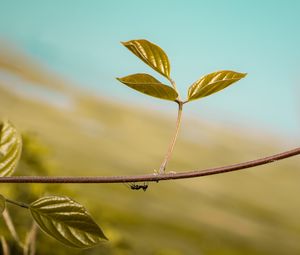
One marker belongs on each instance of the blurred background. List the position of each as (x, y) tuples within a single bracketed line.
[(58, 63)]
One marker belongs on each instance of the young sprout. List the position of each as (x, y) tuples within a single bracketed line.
[(157, 59)]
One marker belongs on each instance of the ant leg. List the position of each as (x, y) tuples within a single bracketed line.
[(145, 186), (127, 185)]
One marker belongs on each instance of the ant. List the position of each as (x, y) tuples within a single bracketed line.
[(134, 186)]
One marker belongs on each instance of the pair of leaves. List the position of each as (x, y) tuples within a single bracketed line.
[(10, 148), (157, 59)]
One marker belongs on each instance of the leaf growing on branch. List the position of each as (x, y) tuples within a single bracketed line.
[(2, 204), (10, 148), (67, 221), (147, 84), (151, 54), (212, 83)]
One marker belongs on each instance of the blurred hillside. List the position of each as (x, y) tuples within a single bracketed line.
[(249, 212)]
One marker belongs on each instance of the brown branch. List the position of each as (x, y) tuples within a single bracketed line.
[(151, 177)]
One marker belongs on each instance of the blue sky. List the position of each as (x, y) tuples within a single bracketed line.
[(80, 40)]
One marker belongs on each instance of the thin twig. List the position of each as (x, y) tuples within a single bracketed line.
[(5, 248), (173, 141), (11, 227), (151, 177), (17, 203), (30, 242)]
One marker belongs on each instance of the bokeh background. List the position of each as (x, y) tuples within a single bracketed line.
[(58, 63)]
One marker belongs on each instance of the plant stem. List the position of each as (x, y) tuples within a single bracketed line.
[(30, 242), (173, 84), (173, 141), (21, 204), (4, 245), (11, 227)]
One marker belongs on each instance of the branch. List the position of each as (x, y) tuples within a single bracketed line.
[(151, 177)]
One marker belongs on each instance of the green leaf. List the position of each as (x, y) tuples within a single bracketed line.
[(147, 84), (212, 83), (10, 148), (151, 54), (2, 204), (67, 221)]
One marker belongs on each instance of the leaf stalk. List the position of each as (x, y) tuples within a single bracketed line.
[(173, 83), (20, 204)]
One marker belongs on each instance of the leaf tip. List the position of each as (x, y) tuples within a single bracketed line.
[(127, 43)]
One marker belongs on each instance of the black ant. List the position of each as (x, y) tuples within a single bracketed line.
[(134, 186)]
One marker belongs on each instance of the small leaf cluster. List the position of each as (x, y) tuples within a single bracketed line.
[(158, 60), (59, 216)]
